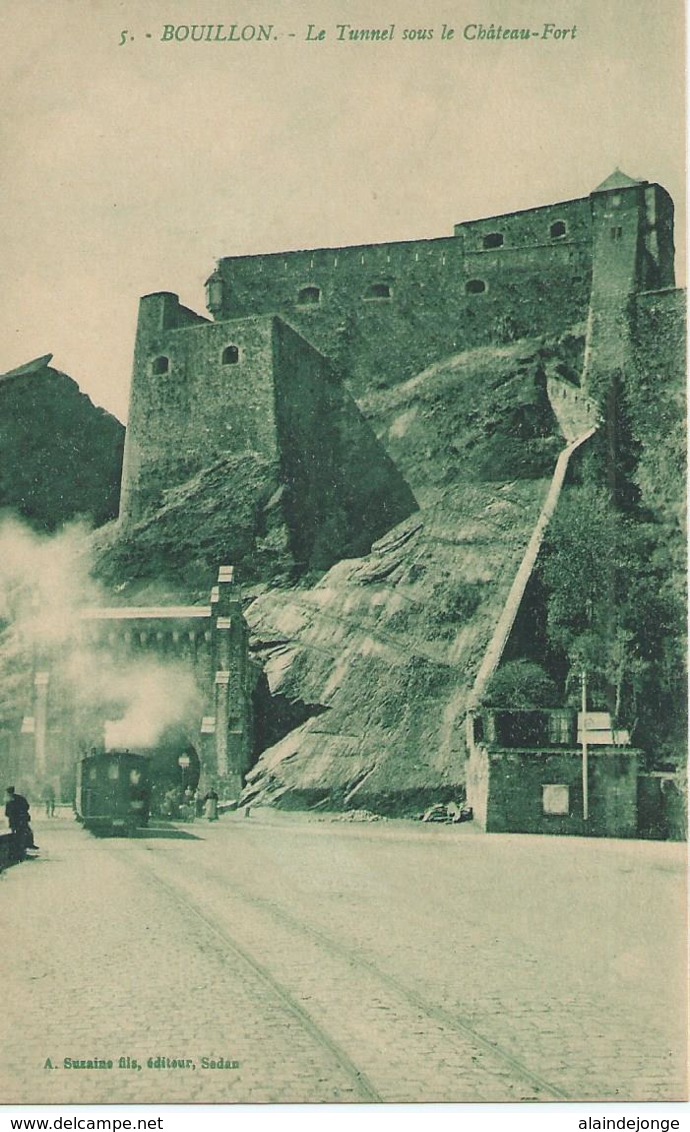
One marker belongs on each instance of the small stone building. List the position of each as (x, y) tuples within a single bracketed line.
[(525, 774)]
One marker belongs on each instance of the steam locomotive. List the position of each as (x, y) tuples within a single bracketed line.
[(113, 792)]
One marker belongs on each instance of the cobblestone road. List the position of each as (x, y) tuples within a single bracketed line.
[(343, 962)]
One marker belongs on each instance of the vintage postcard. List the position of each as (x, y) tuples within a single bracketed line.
[(342, 554)]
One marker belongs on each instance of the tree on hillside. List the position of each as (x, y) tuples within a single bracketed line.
[(612, 612), (521, 685)]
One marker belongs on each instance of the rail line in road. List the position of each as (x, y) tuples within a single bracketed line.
[(445, 1017), (379, 1013), (385, 963), (365, 1090)]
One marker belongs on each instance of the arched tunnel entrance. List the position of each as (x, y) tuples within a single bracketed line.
[(175, 769)]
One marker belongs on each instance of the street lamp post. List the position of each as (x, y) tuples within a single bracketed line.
[(184, 762)]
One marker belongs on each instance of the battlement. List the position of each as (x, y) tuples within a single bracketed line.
[(384, 312)]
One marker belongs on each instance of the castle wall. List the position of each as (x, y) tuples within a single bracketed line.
[(633, 243), (658, 239), (198, 408), (344, 491), (531, 227), (632, 250), (656, 400), (660, 338), (380, 314), (535, 283), (306, 392)]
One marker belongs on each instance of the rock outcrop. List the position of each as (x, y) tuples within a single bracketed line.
[(60, 455), (389, 646)]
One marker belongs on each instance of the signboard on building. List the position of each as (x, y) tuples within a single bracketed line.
[(596, 729)]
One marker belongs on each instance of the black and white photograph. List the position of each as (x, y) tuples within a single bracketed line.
[(343, 677)]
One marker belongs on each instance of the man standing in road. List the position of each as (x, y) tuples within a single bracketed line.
[(17, 814)]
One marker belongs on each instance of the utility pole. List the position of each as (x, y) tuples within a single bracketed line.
[(585, 768)]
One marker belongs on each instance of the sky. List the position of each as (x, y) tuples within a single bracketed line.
[(131, 167)]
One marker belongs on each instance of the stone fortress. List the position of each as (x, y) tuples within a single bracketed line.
[(293, 336)]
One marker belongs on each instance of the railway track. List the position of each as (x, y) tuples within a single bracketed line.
[(362, 1087), (349, 1005)]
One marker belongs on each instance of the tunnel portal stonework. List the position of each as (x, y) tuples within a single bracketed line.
[(207, 642)]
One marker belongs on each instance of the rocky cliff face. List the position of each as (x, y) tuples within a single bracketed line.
[(203, 522), (382, 652), (60, 455)]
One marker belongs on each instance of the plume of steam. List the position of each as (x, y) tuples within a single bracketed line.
[(45, 582), (139, 699)]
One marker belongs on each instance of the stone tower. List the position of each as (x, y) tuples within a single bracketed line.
[(253, 387), (632, 251)]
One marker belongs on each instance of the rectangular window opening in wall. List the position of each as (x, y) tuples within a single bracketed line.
[(555, 799), (378, 291), (616, 233)]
